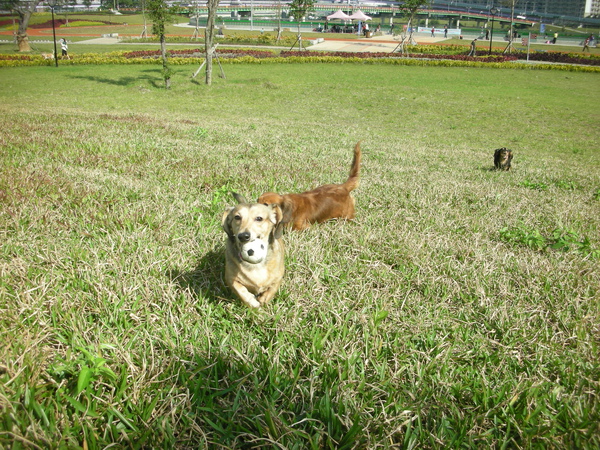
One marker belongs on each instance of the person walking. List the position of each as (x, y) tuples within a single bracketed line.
[(555, 38), (445, 31), (432, 31), (473, 52), (64, 49), (586, 43)]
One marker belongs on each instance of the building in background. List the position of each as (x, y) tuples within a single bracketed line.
[(592, 8), (570, 8)]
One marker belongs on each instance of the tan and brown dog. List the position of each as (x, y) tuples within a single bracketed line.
[(502, 158), (331, 201), (254, 259)]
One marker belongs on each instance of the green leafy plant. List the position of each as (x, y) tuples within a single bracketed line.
[(568, 185), (200, 133), (87, 367), (536, 185), (524, 236), (220, 198), (560, 239), (566, 240)]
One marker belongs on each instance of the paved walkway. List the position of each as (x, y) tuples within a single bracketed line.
[(382, 43), (375, 44), (101, 41)]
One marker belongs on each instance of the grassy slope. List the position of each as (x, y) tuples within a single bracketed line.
[(432, 320)]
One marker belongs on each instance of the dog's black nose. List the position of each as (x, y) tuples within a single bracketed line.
[(250, 252), (244, 237)]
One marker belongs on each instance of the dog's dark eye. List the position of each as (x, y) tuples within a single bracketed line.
[(238, 217), (266, 204), (259, 219)]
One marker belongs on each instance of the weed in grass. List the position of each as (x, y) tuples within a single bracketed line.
[(571, 240), (539, 186), (559, 239), (568, 185), (200, 133), (521, 235)]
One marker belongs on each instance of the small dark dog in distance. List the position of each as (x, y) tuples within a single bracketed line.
[(502, 158)]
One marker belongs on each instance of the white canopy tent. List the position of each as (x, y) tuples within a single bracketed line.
[(339, 14), (359, 15)]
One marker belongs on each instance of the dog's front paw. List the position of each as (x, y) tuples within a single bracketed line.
[(251, 302)]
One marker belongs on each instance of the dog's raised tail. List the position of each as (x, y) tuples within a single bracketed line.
[(354, 178)]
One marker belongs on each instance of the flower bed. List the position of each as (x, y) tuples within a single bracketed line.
[(252, 56), (199, 53), (561, 57), (377, 55), (62, 22), (234, 53), (266, 39)]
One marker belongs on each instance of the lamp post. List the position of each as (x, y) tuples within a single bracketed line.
[(52, 5), (493, 12)]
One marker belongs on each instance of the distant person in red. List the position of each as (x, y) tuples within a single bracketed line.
[(586, 43)]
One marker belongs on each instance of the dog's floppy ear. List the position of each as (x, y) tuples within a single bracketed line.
[(277, 219), (225, 223), (239, 198), (287, 207)]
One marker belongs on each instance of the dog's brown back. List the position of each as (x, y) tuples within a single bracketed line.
[(330, 201)]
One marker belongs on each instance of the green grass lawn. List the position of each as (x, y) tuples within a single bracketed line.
[(459, 309)]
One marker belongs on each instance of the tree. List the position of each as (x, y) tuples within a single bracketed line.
[(68, 3), (279, 30), (299, 9), (161, 14), (409, 8), (23, 9), (510, 4), (209, 38)]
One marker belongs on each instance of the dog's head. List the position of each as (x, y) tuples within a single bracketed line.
[(502, 158), (286, 205), (247, 222)]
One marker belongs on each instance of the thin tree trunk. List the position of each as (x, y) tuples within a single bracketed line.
[(209, 37), (165, 62)]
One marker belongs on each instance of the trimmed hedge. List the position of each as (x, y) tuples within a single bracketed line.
[(238, 56), (266, 39)]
